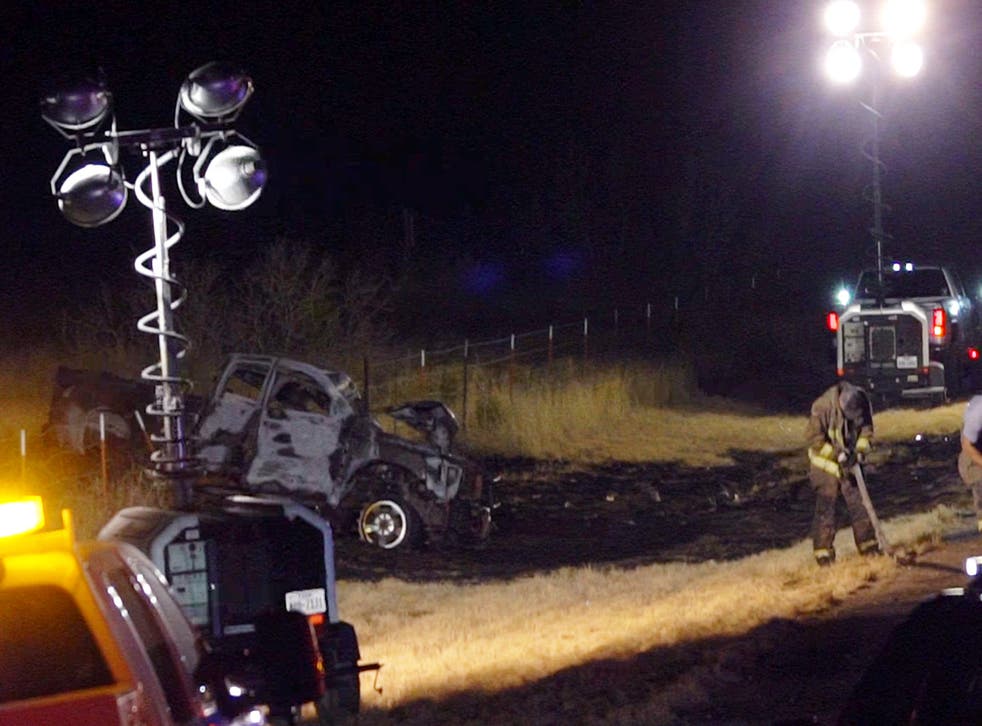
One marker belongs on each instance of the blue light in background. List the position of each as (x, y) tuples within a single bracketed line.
[(484, 277), (562, 264)]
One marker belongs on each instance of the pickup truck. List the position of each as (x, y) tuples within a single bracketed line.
[(908, 333), (274, 425)]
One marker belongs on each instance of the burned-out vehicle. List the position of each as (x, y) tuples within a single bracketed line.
[(274, 425)]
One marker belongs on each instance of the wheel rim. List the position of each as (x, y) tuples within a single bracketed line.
[(384, 524)]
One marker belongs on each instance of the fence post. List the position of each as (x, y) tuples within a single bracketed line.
[(23, 455), (463, 413), (550, 346), (674, 321), (586, 335), (422, 366), (647, 322), (366, 383), (103, 453), (511, 368)]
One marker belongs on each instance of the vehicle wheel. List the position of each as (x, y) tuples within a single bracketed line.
[(342, 699), (339, 705), (389, 522)]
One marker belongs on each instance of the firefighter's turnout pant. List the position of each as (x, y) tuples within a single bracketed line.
[(827, 488), (971, 474)]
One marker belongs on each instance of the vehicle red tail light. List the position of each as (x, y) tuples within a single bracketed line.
[(973, 353), (832, 321), (939, 323)]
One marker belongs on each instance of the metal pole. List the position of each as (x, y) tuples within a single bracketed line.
[(876, 191), (174, 456)]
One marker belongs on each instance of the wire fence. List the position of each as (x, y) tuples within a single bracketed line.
[(746, 323), (452, 373)]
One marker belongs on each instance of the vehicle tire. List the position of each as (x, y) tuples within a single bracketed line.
[(954, 377), (342, 699), (389, 522)]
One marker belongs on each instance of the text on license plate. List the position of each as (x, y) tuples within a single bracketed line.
[(308, 602), (906, 361)]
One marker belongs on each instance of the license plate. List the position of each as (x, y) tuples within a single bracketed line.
[(308, 602), (906, 361)]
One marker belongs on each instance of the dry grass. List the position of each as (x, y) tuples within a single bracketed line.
[(437, 640), (649, 413), (25, 390)]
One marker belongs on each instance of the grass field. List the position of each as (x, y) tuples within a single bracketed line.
[(440, 640)]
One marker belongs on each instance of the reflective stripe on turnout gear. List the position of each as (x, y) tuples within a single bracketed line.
[(862, 445), (826, 465), (868, 546)]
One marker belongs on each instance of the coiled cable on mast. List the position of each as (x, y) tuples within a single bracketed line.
[(171, 456)]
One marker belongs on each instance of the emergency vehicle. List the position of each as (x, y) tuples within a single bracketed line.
[(907, 332), (91, 634)]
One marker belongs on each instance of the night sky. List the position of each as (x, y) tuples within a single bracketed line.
[(575, 154)]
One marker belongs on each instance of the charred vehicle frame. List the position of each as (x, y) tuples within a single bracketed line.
[(276, 425)]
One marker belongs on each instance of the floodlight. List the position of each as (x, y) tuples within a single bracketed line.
[(81, 107), (234, 179), (214, 91), (907, 58), (843, 62), (842, 17), (902, 18), (843, 297), (92, 195), (93, 192)]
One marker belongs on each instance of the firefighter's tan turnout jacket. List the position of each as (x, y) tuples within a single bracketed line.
[(830, 433)]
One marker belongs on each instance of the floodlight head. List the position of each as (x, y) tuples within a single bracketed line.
[(843, 62), (234, 179), (907, 58), (903, 18), (79, 107), (214, 91), (92, 195), (842, 17)]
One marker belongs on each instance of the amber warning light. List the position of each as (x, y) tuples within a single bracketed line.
[(21, 516), (832, 321)]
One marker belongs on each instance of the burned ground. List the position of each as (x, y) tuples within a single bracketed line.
[(553, 515)]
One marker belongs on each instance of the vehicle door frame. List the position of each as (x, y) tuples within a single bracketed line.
[(285, 367)]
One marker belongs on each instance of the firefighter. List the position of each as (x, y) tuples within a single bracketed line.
[(970, 458), (839, 435)]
